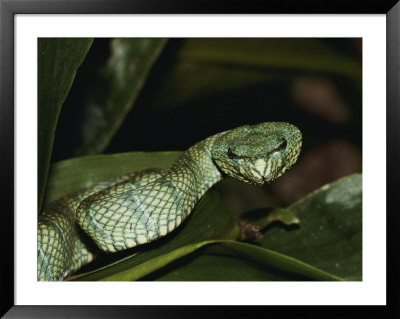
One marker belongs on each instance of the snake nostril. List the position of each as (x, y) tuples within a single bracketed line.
[(231, 155)]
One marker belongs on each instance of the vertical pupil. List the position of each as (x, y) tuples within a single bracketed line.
[(282, 145)]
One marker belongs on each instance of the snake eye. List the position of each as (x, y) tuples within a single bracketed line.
[(231, 155), (282, 145)]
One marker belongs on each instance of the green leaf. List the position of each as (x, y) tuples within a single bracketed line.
[(207, 66), (206, 264), (330, 233), (301, 53), (228, 260), (118, 83), (271, 263), (58, 60)]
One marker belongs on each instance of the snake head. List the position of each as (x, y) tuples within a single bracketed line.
[(257, 154)]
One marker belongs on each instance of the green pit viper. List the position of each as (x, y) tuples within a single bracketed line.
[(140, 207)]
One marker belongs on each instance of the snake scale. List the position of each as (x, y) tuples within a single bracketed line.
[(140, 207)]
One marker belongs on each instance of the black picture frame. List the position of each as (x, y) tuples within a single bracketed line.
[(8, 10)]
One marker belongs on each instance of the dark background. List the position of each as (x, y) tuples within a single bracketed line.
[(198, 87)]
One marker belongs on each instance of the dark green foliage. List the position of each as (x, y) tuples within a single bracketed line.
[(198, 87), (58, 61)]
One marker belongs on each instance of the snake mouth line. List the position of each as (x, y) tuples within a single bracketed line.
[(140, 207)]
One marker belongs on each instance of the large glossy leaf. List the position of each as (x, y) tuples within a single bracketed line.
[(58, 60), (223, 260), (107, 92), (206, 265), (330, 232)]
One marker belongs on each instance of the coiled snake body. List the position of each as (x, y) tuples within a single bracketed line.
[(141, 207)]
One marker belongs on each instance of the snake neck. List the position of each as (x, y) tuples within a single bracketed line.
[(195, 172)]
